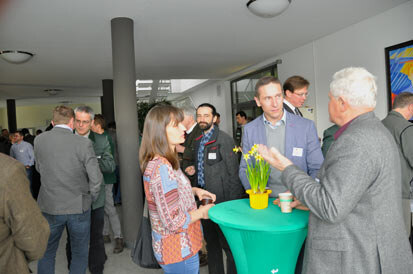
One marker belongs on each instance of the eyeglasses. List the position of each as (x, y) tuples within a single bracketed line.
[(301, 94), (86, 122)]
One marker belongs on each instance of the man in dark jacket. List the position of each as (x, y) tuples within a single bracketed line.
[(398, 125), (84, 117), (216, 169), (111, 215)]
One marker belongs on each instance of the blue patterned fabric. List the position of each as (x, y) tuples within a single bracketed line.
[(201, 149)]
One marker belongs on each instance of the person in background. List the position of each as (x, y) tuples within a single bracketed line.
[(27, 136), (5, 144), (71, 180), (116, 187), (24, 231), (111, 215), (38, 132), (216, 169), (187, 148), (241, 118), (218, 121), (175, 219), (356, 222), (295, 93), (328, 138), (23, 152), (84, 118), (397, 122)]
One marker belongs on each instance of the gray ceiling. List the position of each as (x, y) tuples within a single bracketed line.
[(186, 39)]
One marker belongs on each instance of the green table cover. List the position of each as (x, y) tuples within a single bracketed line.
[(261, 240)]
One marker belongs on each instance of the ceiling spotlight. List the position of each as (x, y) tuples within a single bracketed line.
[(268, 8), (16, 56), (52, 91)]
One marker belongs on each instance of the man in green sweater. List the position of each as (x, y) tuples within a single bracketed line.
[(111, 215)]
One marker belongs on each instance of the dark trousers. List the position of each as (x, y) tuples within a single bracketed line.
[(97, 255), (300, 260), (216, 242)]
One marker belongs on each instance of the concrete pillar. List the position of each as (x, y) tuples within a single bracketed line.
[(106, 101), (11, 115), (124, 77)]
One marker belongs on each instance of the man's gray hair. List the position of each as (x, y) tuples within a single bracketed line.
[(189, 111), (356, 85), (87, 110)]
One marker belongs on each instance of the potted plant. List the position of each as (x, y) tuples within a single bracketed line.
[(258, 172)]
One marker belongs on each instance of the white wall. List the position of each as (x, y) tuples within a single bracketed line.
[(361, 44), (219, 95)]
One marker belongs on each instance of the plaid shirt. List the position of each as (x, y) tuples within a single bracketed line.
[(205, 139)]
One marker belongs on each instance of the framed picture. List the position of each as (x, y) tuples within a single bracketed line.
[(399, 69)]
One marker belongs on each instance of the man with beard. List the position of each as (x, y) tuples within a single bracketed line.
[(216, 168)]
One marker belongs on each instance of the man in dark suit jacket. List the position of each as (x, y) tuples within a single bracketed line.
[(295, 93), (397, 122), (71, 180), (188, 147), (356, 223), (84, 118)]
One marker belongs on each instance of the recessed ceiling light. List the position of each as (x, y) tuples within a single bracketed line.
[(52, 91), (16, 56), (268, 8)]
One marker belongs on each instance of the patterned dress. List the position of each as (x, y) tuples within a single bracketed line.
[(170, 199)]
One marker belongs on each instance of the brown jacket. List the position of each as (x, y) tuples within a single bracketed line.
[(24, 231)]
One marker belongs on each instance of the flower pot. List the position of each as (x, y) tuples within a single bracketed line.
[(259, 200)]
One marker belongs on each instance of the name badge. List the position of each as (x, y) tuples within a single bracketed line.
[(297, 151), (21, 150), (212, 156)]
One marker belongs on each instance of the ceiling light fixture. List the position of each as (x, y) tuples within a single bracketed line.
[(52, 91), (268, 8), (16, 56)]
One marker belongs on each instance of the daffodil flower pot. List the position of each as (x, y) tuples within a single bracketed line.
[(259, 200)]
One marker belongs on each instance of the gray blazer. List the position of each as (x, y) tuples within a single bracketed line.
[(70, 174), (356, 223)]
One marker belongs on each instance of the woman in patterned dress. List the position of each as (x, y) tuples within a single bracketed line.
[(175, 219)]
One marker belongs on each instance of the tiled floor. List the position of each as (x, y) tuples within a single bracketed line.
[(117, 263)]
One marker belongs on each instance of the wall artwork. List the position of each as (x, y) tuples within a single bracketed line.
[(399, 69)]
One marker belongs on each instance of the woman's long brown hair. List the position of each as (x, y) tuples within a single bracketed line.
[(154, 139)]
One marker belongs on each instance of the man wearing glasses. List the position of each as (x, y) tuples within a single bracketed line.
[(295, 93)]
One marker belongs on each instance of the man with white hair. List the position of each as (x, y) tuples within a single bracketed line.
[(356, 223), (188, 147)]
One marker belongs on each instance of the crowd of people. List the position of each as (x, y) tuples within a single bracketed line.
[(357, 186)]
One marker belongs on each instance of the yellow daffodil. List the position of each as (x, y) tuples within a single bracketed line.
[(258, 170)]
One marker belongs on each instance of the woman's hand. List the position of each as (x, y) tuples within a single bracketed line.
[(190, 170), (204, 210), (202, 193), (200, 213)]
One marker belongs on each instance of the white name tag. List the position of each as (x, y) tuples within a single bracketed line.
[(297, 151), (212, 156)]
